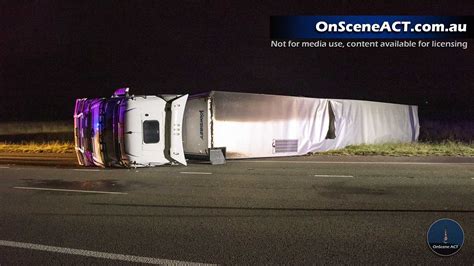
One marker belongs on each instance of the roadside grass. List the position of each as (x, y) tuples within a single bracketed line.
[(445, 148), (37, 147)]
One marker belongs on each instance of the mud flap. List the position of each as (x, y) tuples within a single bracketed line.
[(177, 113)]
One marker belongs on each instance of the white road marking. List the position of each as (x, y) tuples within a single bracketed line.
[(87, 170), (4, 167), (96, 254), (333, 176), (341, 162), (72, 190), (195, 173)]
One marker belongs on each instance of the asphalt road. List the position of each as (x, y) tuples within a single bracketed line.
[(302, 210)]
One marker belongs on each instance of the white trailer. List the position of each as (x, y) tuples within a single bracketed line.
[(249, 125)]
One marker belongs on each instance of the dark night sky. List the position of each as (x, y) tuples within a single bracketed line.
[(54, 52)]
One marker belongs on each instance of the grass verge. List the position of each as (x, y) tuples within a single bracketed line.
[(446, 148), (38, 147)]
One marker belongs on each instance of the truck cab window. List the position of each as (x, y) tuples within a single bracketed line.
[(151, 131)]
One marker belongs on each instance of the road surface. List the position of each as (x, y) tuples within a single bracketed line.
[(297, 210)]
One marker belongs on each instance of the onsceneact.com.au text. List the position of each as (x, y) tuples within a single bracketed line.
[(396, 26)]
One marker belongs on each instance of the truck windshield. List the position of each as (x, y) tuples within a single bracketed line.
[(110, 140)]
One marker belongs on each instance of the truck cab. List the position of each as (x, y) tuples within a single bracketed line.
[(129, 131)]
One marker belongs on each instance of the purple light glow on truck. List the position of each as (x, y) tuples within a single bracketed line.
[(83, 130)]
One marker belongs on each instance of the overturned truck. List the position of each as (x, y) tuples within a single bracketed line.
[(136, 131)]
